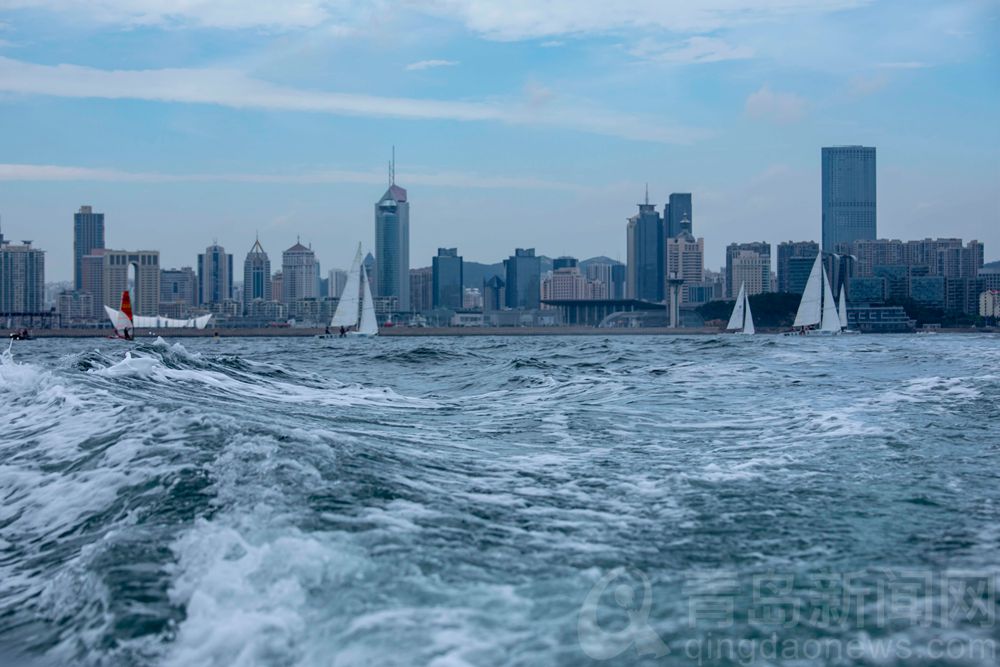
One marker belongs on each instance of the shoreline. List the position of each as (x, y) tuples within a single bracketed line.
[(404, 332)]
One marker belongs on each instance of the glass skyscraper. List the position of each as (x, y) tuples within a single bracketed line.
[(215, 275), (646, 251), (677, 214), (392, 246), (88, 235), (848, 195), (256, 275), (524, 279), (448, 288)]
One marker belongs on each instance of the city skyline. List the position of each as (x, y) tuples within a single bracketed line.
[(277, 129)]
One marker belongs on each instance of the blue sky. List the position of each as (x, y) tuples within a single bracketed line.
[(516, 123)]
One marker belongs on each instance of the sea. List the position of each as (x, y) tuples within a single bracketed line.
[(538, 500)]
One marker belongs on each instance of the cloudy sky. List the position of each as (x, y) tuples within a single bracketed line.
[(516, 122)]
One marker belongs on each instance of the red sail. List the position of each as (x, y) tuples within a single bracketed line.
[(126, 305)]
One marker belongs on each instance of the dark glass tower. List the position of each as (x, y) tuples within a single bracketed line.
[(448, 287), (88, 235), (848, 195)]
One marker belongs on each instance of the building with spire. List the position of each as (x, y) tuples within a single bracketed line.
[(392, 243), (645, 234), (256, 275)]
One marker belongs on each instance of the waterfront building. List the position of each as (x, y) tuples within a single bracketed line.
[(422, 289), (278, 287), (448, 279), (178, 290), (848, 195), (300, 273), (989, 306), (748, 263), (392, 245), (523, 283), (215, 275), (612, 274), (142, 269), (565, 283), (74, 307), (472, 299), (645, 235), (494, 294), (92, 269), (88, 236), (256, 275), (795, 260), (685, 260), (22, 278), (868, 289)]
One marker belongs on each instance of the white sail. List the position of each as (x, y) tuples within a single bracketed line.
[(369, 325), (748, 327), (736, 319), (842, 308), (831, 321), (809, 308), (347, 307), (121, 321)]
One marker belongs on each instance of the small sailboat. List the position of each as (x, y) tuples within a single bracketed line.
[(842, 312), (356, 308), (741, 320), (817, 306)]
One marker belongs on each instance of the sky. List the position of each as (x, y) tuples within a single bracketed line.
[(516, 123)]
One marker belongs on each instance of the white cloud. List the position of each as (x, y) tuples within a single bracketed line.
[(527, 19), (232, 88), (229, 14), (63, 173), (776, 107), (692, 50), (429, 64)]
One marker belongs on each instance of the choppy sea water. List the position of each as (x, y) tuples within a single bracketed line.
[(480, 501)]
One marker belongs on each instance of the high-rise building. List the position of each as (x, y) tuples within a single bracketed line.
[(178, 288), (300, 274), (392, 245), (144, 265), (612, 274), (748, 263), (22, 278), (336, 281), (278, 287), (795, 260), (215, 275), (448, 279), (677, 215), (74, 306), (645, 254), (565, 282), (564, 262), (88, 235), (93, 281), (848, 192), (685, 260), (494, 294), (524, 278), (256, 275), (421, 289)]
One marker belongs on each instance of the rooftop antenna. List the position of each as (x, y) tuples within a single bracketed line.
[(392, 168)]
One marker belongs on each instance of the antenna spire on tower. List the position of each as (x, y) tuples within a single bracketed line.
[(647, 194), (392, 167)]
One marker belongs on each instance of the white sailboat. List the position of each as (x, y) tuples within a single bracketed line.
[(842, 312), (742, 319), (356, 308), (817, 306)]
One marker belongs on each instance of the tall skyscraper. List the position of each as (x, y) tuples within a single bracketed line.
[(179, 288), (92, 268), (677, 214), (494, 294), (256, 275), (645, 254), (448, 278), (215, 275), (795, 260), (421, 289), (145, 264), (612, 274), (88, 235), (848, 195), (392, 244), (748, 263), (22, 278), (524, 279), (336, 281), (300, 274)]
